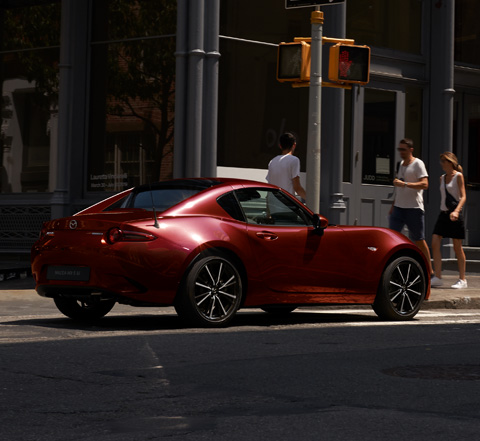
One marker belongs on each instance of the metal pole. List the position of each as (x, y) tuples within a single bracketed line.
[(314, 113), (333, 204), (210, 102), (196, 56), (179, 153)]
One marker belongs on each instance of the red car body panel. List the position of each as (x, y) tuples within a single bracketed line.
[(281, 264)]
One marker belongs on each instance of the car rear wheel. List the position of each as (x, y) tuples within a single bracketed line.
[(211, 293), (83, 309), (402, 290)]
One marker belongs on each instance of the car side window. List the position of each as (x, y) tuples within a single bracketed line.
[(230, 204), (271, 207)]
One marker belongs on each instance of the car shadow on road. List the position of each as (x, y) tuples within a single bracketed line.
[(170, 321)]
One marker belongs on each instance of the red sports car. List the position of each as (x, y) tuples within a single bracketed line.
[(211, 246)]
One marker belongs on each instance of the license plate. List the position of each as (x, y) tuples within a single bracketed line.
[(74, 273)]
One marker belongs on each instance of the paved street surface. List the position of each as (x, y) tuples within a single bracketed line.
[(317, 374)]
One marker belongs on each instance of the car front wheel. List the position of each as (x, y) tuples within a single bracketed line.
[(211, 293), (83, 309), (402, 290)]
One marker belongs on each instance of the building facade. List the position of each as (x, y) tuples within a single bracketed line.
[(101, 95)]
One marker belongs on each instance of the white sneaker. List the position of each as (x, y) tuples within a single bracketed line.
[(435, 281), (460, 284)]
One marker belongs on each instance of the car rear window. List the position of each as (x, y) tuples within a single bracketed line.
[(162, 199), (163, 195)]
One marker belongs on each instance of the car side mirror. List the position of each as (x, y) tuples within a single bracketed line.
[(319, 224)]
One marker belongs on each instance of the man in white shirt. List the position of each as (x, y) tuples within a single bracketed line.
[(407, 208), (284, 169)]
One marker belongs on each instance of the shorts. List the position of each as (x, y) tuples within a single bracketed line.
[(413, 218), (445, 227)]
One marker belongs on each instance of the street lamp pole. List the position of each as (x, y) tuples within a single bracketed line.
[(314, 113)]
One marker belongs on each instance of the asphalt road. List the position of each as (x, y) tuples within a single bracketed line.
[(317, 374)]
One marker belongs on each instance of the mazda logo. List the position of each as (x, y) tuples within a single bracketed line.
[(73, 224)]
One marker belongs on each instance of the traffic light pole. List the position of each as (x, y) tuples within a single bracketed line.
[(314, 114)]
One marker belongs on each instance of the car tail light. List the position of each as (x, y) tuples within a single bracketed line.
[(115, 235)]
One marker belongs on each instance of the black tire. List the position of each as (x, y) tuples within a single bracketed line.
[(402, 290), (211, 293), (278, 309), (83, 309)]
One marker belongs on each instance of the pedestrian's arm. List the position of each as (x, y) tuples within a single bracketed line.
[(463, 198), (298, 187), (422, 184)]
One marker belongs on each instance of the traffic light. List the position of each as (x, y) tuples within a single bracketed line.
[(349, 64), (293, 62)]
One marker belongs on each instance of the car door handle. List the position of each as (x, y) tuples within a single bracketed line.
[(266, 235)]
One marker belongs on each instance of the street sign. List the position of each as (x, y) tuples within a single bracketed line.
[(306, 3)]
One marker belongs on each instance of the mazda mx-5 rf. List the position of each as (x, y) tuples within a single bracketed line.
[(211, 246)]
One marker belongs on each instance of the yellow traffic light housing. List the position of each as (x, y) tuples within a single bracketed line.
[(293, 62), (349, 64)]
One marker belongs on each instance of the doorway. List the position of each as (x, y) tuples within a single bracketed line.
[(377, 124), (467, 148)]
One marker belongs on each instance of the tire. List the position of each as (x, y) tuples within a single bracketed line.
[(83, 309), (278, 309), (402, 290), (211, 293)]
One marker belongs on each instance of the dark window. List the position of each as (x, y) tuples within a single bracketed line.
[(467, 35), (248, 85), (378, 137), (271, 207), (473, 166), (132, 93), (392, 24), (164, 195), (29, 59), (230, 204)]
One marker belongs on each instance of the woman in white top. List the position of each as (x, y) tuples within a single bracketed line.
[(450, 221)]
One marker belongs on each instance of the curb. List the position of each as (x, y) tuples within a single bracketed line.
[(465, 302)]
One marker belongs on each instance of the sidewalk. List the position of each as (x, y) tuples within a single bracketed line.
[(449, 298)]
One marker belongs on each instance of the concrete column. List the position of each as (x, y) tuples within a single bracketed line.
[(332, 203), (180, 89), (196, 56), (210, 101), (60, 201), (441, 96)]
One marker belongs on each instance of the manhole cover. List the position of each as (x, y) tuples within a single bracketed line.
[(470, 372)]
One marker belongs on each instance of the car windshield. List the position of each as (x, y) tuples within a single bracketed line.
[(164, 195)]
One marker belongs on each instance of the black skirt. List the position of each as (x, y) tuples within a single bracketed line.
[(448, 228)]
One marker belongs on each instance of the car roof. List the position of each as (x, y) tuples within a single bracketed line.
[(200, 183)]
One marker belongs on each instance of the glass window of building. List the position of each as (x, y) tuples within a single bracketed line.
[(379, 137), (473, 134), (467, 32), (132, 93), (29, 54), (392, 24), (254, 108), (413, 117), (347, 138)]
